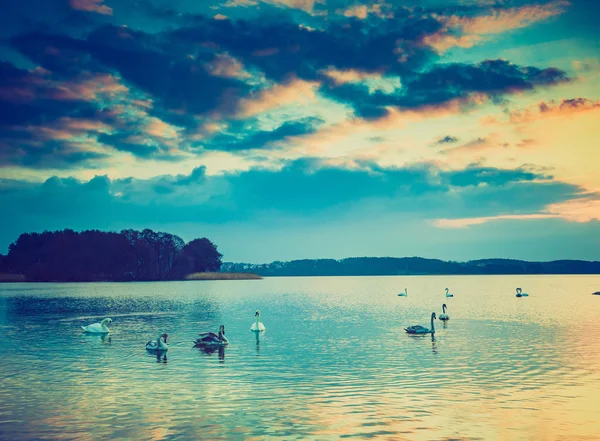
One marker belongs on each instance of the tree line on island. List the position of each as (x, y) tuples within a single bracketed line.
[(92, 255), (390, 266)]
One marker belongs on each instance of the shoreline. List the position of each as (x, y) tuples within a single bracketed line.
[(20, 278)]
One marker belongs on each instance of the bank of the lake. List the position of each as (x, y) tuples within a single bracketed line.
[(16, 278)]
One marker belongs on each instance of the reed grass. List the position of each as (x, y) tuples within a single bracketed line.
[(9, 277), (222, 276)]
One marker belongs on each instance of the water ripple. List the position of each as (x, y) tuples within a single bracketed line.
[(334, 362)]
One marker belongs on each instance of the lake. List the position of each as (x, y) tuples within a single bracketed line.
[(334, 361)]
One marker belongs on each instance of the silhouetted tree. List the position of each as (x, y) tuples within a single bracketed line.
[(96, 255), (199, 255)]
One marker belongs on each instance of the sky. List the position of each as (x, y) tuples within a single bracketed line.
[(286, 129)]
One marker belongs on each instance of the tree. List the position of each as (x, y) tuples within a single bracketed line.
[(199, 255), (91, 255)]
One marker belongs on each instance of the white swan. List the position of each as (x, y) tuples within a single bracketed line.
[(449, 294), (418, 329), (403, 294), (257, 325), (158, 345), (520, 293), (208, 339), (98, 328), (443, 316)]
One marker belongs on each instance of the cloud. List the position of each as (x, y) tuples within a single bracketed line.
[(226, 66), (467, 222), (444, 83), (361, 12), (349, 76), (553, 108), (263, 139), (584, 209), (501, 20), (306, 193), (448, 139), (466, 31), (309, 185), (91, 6), (294, 91), (580, 210)]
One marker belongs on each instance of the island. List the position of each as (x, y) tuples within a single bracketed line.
[(126, 256)]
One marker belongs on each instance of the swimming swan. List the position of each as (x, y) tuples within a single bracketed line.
[(443, 316), (98, 328), (257, 325), (158, 345), (403, 294), (449, 294), (418, 329), (520, 293), (210, 339)]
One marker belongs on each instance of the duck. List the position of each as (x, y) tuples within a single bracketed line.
[(418, 329), (520, 293), (448, 293), (210, 339), (98, 328), (443, 316), (158, 345), (597, 293), (257, 326), (403, 294)]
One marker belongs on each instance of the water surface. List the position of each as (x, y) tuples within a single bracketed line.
[(334, 362)]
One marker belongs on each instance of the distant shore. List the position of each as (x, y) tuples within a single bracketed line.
[(20, 278)]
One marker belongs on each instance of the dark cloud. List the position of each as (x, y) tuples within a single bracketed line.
[(448, 139), (263, 139), (473, 176), (306, 186), (443, 83), (282, 47), (173, 67)]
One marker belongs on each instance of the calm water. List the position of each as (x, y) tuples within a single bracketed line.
[(334, 362)]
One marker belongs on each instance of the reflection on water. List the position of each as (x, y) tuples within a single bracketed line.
[(336, 362), (209, 350)]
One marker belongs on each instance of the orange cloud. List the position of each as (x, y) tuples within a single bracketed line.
[(507, 19), (441, 42), (467, 222), (160, 129), (363, 11), (322, 140), (294, 91), (305, 5), (65, 128), (576, 210), (91, 6), (38, 84), (88, 89), (499, 20), (226, 66), (349, 76), (359, 11), (564, 107)]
